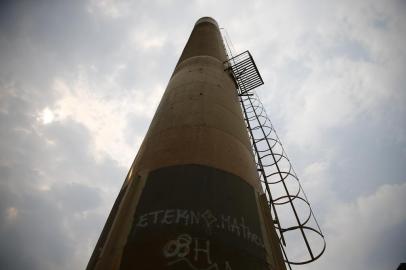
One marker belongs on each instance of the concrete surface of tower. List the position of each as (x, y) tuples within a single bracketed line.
[(192, 198)]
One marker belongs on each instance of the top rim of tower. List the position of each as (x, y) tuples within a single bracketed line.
[(207, 19)]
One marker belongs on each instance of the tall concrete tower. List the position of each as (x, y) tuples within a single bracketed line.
[(192, 198)]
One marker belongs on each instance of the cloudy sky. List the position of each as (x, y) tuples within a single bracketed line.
[(80, 81)]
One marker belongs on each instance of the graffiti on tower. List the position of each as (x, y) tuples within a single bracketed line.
[(211, 208)]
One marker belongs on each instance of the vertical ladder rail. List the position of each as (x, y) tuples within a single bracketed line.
[(270, 156), (254, 112)]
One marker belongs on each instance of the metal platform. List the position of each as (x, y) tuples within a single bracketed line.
[(245, 72)]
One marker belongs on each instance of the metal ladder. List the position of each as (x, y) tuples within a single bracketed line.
[(288, 203)]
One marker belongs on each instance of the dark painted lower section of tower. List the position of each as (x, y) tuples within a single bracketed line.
[(195, 217)]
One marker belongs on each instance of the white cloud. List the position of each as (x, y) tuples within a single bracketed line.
[(105, 115), (11, 214), (356, 230), (109, 8), (147, 40), (326, 64), (334, 96), (315, 180), (46, 116)]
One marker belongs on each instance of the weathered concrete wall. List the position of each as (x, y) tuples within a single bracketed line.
[(198, 122), (199, 119)]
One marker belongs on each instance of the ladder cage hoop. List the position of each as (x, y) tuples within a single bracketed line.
[(269, 155), (274, 168)]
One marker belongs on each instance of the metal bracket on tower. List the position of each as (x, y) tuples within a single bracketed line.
[(245, 73)]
